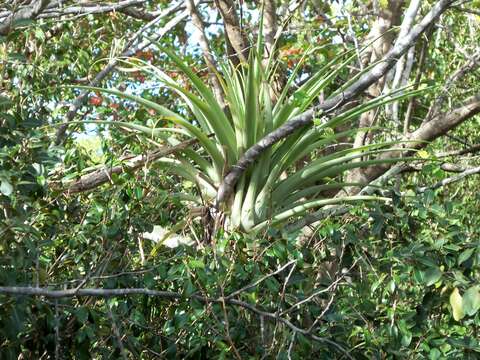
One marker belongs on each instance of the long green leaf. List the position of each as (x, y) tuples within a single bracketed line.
[(303, 208)]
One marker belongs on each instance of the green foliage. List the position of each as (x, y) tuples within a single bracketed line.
[(394, 280), (400, 269)]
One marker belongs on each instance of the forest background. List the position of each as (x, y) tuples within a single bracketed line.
[(239, 179)]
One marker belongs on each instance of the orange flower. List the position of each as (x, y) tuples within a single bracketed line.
[(145, 55), (95, 100), (290, 52)]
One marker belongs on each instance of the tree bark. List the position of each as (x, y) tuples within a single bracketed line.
[(427, 132), (382, 39), (233, 31)]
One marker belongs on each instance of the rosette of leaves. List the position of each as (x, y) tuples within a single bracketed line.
[(274, 190)]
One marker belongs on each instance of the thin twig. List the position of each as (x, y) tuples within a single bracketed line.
[(263, 278)]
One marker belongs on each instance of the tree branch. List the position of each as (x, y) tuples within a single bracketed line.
[(56, 10), (403, 66), (463, 70), (306, 118), (427, 132), (234, 34), (102, 176), (269, 26), (472, 149), (27, 13), (88, 8), (450, 180), (378, 175)]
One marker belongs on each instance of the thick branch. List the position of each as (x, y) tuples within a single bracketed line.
[(370, 77), (381, 38), (55, 9), (88, 8), (269, 25), (139, 13), (404, 65), (453, 179), (429, 131), (470, 150), (461, 72), (102, 176), (235, 35)]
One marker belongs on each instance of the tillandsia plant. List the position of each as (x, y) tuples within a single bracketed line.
[(274, 190)]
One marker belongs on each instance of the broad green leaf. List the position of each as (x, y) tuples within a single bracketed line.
[(471, 300), (432, 275), (465, 255), (196, 264), (434, 354)]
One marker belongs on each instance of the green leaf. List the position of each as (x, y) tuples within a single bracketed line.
[(434, 354), (465, 255), (138, 193), (471, 300), (82, 314), (5, 101), (6, 188), (432, 275), (196, 264), (457, 305), (406, 339)]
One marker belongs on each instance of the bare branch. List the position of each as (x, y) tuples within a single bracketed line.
[(333, 285), (472, 149), (429, 131), (88, 8), (418, 77), (403, 67), (263, 278), (234, 34), (306, 118), (380, 38), (55, 9), (467, 10), (269, 25), (139, 14), (463, 70)]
